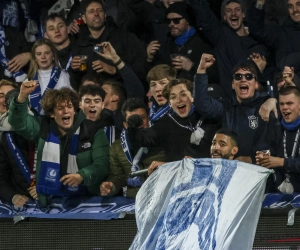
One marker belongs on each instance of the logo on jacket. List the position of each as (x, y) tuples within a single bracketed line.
[(51, 174), (253, 122), (86, 145)]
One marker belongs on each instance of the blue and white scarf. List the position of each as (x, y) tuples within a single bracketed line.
[(110, 132), (36, 96), (49, 176), (18, 156), (135, 181), (68, 64), (157, 112), (19, 76)]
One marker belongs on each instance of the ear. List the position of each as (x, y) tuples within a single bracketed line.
[(52, 115), (83, 18), (224, 17), (115, 98), (80, 105), (125, 125), (256, 85), (46, 35), (192, 99), (234, 151), (232, 85)]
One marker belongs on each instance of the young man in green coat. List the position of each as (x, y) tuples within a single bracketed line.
[(72, 153)]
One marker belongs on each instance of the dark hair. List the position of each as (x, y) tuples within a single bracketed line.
[(167, 89), (55, 96), (290, 90), (90, 77), (161, 71), (52, 17), (85, 3), (92, 89), (246, 65), (118, 89), (231, 134), (226, 2), (132, 104)]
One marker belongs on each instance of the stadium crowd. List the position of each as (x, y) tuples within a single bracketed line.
[(122, 86)]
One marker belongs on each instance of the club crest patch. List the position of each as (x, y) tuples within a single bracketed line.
[(253, 121)]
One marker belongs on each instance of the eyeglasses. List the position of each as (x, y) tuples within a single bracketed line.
[(174, 20), (248, 76)]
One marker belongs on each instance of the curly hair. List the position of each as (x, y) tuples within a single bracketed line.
[(55, 96)]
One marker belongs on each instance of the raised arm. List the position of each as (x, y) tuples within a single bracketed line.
[(206, 105), (207, 20), (267, 34), (26, 125), (132, 84)]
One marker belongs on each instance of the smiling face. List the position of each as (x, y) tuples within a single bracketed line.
[(94, 16), (289, 107), (156, 88), (244, 89), (234, 15), (44, 57), (56, 31), (91, 106), (181, 100), (177, 29), (294, 10), (222, 147), (63, 114)]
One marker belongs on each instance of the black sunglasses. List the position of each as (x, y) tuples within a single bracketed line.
[(174, 20), (248, 76)]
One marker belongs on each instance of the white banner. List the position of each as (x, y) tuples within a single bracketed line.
[(200, 204)]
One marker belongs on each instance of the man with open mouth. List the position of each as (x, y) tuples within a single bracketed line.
[(283, 141), (230, 38), (72, 152), (239, 113)]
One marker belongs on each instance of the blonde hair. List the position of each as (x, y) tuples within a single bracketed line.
[(33, 68), (5, 82)]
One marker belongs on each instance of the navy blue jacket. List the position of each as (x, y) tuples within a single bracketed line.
[(229, 48), (291, 166), (243, 118)]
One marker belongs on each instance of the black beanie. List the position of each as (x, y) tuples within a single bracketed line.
[(183, 9)]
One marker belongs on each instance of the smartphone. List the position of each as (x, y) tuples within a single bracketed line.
[(98, 49)]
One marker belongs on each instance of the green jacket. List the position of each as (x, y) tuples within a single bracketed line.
[(120, 168), (92, 160)]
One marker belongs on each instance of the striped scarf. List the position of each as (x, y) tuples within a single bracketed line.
[(49, 176)]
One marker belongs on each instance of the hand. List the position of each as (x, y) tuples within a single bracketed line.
[(26, 89), (19, 200), (266, 108), (182, 62), (18, 62), (134, 121), (72, 180), (259, 60), (151, 50), (206, 61), (288, 76), (108, 52), (100, 66), (76, 62), (154, 165), (260, 4), (268, 161), (33, 193), (73, 27), (105, 188)]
